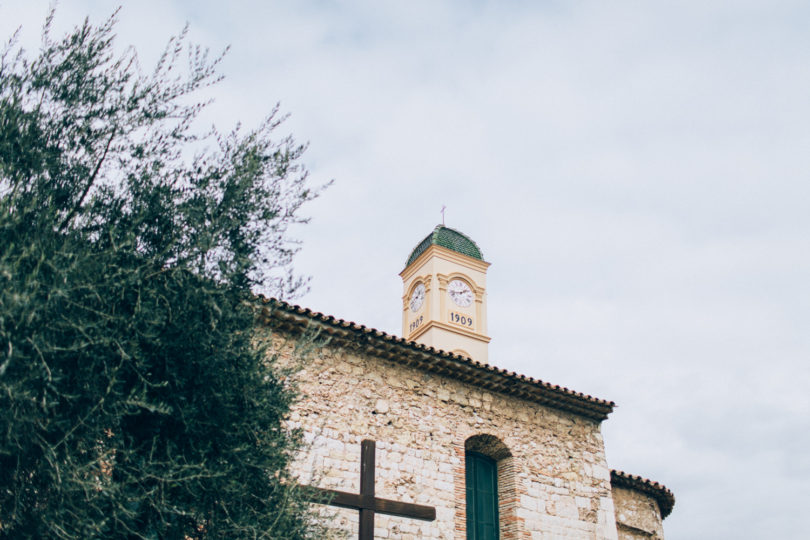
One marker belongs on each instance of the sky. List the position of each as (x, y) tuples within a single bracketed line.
[(636, 173)]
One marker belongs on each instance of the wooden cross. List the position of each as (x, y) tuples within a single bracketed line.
[(366, 502)]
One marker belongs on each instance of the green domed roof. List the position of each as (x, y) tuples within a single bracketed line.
[(447, 238)]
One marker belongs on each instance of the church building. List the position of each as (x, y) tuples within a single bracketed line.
[(423, 437)]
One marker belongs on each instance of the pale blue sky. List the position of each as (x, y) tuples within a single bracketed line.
[(636, 173)]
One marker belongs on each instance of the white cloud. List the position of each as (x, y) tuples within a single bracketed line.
[(637, 173)]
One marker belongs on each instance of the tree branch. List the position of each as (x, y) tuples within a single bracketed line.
[(90, 183)]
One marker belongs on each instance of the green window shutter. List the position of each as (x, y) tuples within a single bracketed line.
[(482, 497)]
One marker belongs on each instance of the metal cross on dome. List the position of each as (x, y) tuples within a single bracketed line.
[(366, 502)]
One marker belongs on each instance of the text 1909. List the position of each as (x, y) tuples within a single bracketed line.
[(416, 323), (463, 320)]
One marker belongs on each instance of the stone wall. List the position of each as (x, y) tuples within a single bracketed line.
[(637, 515), (553, 478)]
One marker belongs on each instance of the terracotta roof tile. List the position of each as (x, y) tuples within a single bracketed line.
[(429, 359), (663, 496)]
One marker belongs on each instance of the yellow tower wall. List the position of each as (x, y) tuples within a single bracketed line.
[(440, 323)]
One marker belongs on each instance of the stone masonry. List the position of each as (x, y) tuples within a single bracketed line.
[(637, 515), (641, 506), (555, 484), (425, 409)]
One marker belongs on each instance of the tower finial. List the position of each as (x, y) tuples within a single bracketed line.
[(443, 209)]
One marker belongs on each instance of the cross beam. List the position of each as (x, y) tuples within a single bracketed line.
[(366, 502)]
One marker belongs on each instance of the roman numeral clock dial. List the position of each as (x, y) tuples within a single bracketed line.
[(417, 297), (460, 293)]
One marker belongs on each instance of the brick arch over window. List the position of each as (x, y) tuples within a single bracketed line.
[(495, 449), (489, 445)]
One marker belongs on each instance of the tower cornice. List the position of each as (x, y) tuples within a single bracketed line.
[(450, 328), (446, 254)]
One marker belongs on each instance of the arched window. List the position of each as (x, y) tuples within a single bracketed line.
[(489, 485), (482, 497)]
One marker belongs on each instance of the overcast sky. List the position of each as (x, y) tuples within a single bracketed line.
[(636, 173)]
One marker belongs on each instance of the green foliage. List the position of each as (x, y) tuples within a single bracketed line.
[(134, 401)]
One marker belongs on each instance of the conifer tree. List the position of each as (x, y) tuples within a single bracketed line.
[(134, 400)]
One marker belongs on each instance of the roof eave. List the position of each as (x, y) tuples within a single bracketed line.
[(662, 495), (296, 318)]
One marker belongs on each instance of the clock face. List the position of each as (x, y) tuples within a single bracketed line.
[(460, 293), (417, 297)]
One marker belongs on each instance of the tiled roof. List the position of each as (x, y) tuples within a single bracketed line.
[(659, 492), (290, 317), (448, 238)]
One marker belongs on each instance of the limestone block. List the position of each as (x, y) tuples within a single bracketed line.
[(558, 474)]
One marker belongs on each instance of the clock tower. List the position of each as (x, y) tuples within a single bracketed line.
[(444, 302)]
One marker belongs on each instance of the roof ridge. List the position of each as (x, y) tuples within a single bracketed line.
[(663, 496), (552, 395)]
